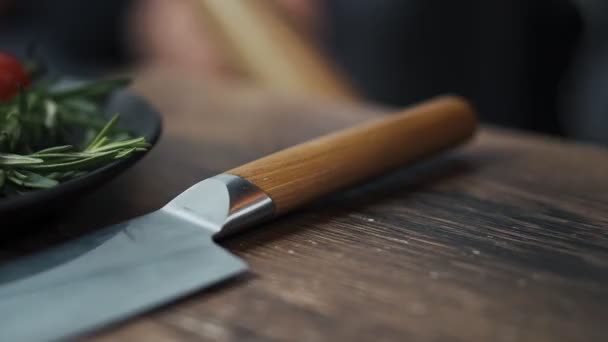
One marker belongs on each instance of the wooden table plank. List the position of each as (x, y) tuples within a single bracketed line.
[(503, 240)]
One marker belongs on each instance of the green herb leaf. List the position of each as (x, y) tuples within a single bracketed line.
[(13, 160), (137, 142), (103, 133), (31, 180), (76, 165), (93, 89), (81, 104), (54, 149)]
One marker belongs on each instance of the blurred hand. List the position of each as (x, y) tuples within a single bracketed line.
[(173, 33)]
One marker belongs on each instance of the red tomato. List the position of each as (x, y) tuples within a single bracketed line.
[(12, 75)]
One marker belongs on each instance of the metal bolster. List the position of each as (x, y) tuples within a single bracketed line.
[(223, 204), (248, 204)]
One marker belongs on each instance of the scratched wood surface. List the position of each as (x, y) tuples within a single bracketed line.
[(503, 240)]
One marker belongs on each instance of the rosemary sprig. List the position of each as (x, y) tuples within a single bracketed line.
[(38, 149)]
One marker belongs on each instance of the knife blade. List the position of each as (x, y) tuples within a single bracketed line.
[(131, 267)]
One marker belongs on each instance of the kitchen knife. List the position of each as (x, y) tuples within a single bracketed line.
[(131, 267)]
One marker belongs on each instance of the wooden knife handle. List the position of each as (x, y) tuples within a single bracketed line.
[(305, 172)]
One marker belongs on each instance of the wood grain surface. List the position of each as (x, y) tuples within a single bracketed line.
[(503, 240), (300, 174)]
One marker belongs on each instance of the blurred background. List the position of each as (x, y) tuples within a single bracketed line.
[(534, 65)]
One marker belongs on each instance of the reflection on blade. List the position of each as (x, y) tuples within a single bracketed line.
[(108, 276)]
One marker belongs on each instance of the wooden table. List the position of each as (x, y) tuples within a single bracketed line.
[(505, 239)]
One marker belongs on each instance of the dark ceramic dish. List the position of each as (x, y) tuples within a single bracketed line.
[(136, 115)]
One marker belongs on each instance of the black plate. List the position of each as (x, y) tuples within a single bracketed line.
[(136, 115)]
